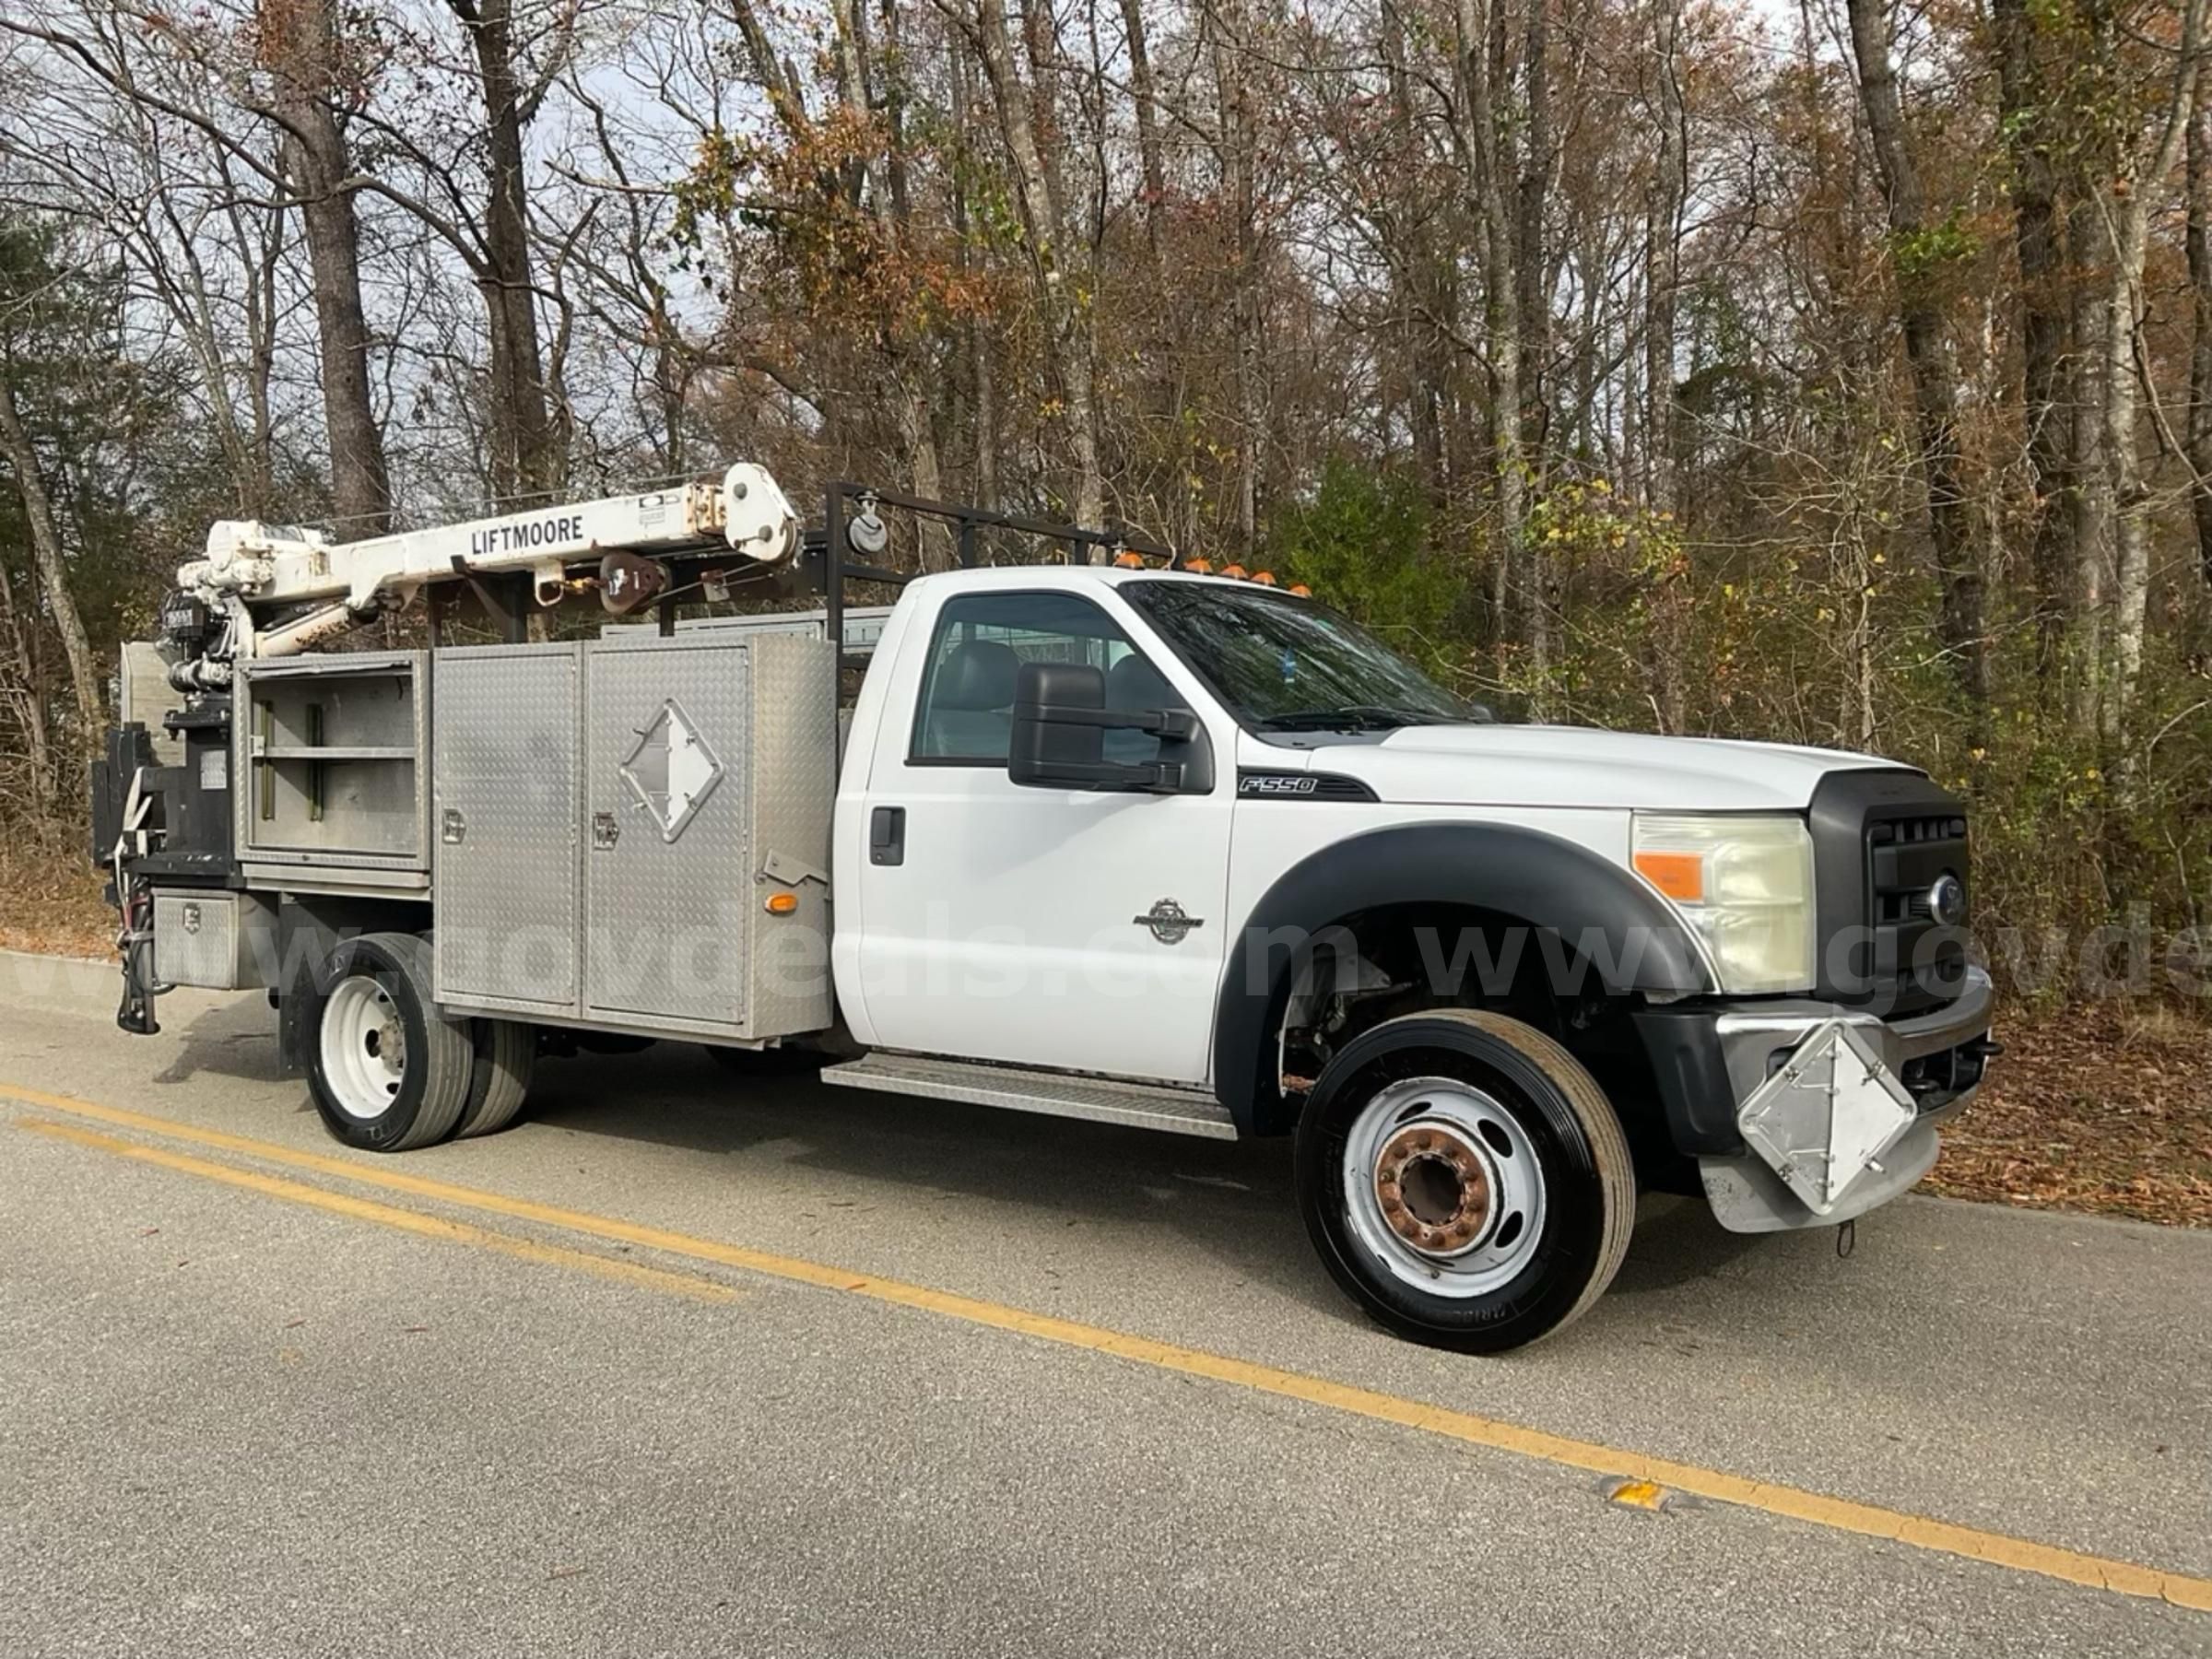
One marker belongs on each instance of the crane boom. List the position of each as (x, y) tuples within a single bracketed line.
[(253, 572)]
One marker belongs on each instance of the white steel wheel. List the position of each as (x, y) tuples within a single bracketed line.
[(1464, 1179), (388, 1070), (364, 1048), (1443, 1187)]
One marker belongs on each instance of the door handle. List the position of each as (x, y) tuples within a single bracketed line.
[(886, 835)]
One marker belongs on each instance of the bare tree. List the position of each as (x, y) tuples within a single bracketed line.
[(1056, 254), (2197, 251), (299, 41), (1487, 135), (2047, 398), (1919, 256), (23, 458), (2127, 219)]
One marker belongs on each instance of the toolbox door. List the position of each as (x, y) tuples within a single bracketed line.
[(667, 876), (504, 825)]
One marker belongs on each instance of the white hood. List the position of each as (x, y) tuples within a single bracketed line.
[(1579, 766)]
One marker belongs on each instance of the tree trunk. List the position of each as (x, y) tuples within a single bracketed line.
[(300, 41), (1235, 145), (54, 570), (1484, 140), (2128, 219), (1147, 123), (2092, 507), (361, 480), (1663, 263), (1927, 350), (1065, 316), (2045, 398), (2198, 238), (882, 181), (1532, 298), (976, 335), (527, 451), (31, 705)]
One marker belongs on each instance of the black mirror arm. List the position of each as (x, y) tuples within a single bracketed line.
[(1163, 723), (1158, 777)]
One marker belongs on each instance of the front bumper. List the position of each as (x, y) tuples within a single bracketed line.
[(1711, 1061)]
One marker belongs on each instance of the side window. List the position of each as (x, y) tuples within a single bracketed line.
[(967, 705)]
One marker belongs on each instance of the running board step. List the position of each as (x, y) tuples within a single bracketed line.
[(1052, 1094)]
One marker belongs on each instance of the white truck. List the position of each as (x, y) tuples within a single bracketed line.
[(1100, 835)]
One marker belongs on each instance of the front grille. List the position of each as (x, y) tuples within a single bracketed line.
[(1882, 837), (1916, 963)]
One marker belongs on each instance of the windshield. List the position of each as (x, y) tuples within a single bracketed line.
[(1287, 665)]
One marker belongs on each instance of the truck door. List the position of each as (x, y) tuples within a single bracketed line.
[(1061, 928)]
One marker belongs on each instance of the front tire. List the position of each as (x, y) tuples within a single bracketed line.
[(388, 1071), (1464, 1179)]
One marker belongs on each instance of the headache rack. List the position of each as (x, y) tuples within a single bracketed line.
[(827, 553)]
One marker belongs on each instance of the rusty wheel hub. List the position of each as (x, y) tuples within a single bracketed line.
[(1435, 1189), (1443, 1189)]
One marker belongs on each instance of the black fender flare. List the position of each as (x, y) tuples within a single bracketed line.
[(1550, 883)]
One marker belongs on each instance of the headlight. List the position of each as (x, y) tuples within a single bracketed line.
[(1746, 884)]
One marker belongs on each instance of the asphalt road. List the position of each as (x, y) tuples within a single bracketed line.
[(681, 1365)]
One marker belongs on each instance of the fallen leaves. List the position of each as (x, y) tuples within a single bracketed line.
[(50, 903), (2091, 1109)]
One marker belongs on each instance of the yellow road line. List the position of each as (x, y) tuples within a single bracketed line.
[(1840, 1514), (405, 1220)]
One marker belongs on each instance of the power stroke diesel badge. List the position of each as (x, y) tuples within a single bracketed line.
[(1170, 922)]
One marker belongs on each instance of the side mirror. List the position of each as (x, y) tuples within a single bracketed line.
[(1060, 725)]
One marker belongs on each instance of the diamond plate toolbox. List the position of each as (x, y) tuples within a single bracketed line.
[(610, 819), (216, 941)]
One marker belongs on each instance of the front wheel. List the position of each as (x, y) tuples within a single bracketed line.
[(1464, 1179)]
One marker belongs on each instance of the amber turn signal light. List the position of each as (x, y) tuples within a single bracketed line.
[(1678, 874)]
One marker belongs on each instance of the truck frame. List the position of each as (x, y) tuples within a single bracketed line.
[(1073, 845)]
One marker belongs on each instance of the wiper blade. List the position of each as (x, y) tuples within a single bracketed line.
[(1353, 717)]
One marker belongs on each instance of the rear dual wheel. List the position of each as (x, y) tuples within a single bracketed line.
[(390, 1072), (1464, 1179)]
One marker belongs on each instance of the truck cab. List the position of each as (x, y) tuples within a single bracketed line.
[(1119, 841)]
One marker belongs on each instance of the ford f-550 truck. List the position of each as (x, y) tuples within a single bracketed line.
[(1101, 834)]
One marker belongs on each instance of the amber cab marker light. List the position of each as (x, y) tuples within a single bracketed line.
[(782, 904), (1199, 567), (1128, 561), (1234, 573), (1299, 589), (1678, 874), (1264, 577)]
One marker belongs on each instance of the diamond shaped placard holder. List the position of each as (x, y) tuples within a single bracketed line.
[(1831, 1110), (671, 770)]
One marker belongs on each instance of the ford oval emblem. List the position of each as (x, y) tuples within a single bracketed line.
[(1946, 901)]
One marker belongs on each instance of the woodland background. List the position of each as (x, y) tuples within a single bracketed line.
[(1820, 369), (1837, 373)]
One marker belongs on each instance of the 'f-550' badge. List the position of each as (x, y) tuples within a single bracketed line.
[(1170, 924)]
